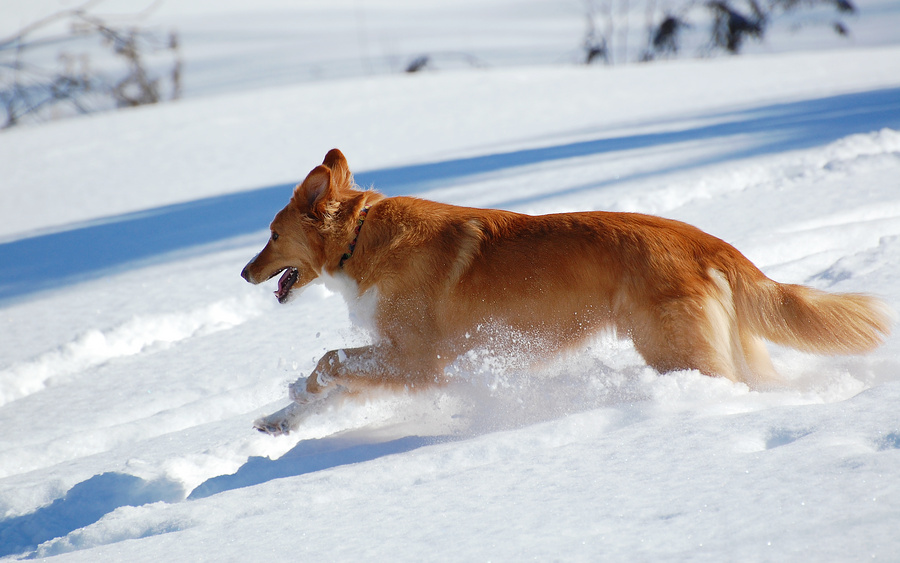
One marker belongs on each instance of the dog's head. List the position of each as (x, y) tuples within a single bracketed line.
[(303, 233)]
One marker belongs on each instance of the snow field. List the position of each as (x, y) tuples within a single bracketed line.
[(607, 389), (127, 392), (381, 499)]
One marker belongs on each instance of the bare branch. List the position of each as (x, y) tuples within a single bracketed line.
[(29, 90)]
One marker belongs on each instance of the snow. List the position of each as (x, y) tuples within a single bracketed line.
[(134, 359)]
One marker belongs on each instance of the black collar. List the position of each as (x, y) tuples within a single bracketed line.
[(359, 224)]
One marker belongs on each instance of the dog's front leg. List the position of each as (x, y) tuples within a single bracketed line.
[(348, 367), (281, 422), (357, 369), (310, 395), (349, 370), (289, 418)]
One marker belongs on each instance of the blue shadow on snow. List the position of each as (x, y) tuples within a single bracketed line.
[(84, 504), (90, 250), (88, 501), (309, 456)]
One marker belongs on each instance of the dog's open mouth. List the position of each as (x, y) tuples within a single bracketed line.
[(287, 281)]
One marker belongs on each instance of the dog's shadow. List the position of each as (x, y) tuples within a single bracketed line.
[(525, 402), (310, 456), (89, 501)]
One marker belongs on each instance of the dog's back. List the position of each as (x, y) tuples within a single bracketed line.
[(688, 300)]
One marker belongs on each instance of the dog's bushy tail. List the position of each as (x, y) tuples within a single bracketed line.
[(811, 320)]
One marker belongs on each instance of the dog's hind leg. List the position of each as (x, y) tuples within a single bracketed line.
[(703, 333), (762, 371), (690, 333), (671, 345)]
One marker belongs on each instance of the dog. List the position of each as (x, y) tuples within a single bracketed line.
[(436, 281)]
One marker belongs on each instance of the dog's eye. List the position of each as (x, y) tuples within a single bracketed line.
[(274, 236)]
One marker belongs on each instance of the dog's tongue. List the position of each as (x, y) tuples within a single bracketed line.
[(288, 278)]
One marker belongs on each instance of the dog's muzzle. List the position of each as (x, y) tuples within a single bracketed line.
[(245, 273)]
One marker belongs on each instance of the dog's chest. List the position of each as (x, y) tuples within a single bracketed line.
[(360, 307)]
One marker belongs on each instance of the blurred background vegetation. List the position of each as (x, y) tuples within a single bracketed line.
[(80, 59)]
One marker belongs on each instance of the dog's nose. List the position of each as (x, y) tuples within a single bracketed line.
[(245, 273)]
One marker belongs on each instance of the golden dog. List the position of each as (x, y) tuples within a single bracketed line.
[(441, 280)]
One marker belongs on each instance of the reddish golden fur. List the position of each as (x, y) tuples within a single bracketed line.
[(445, 275)]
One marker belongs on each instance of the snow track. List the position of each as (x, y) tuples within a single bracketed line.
[(764, 457), (140, 335)]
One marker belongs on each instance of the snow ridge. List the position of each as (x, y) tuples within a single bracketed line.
[(142, 334)]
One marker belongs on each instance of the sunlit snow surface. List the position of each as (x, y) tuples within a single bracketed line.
[(133, 358)]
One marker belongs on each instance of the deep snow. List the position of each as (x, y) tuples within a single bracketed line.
[(133, 358)]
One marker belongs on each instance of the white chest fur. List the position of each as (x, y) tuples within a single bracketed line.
[(360, 307)]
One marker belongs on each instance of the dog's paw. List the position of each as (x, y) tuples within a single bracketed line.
[(272, 428), (280, 423)]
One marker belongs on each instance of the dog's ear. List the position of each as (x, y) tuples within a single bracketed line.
[(340, 170), (316, 191), (334, 159)]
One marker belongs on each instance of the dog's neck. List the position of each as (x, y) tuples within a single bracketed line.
[(359, 223)]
